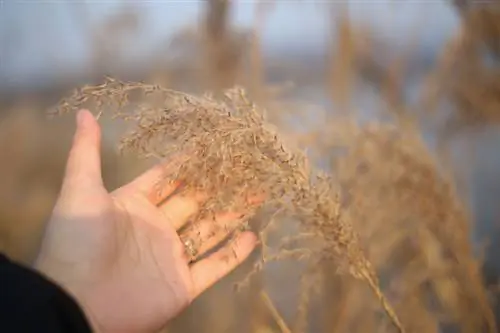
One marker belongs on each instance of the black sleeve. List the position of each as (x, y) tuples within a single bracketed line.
[(31, 303)]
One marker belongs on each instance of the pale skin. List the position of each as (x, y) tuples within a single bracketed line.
[(119, 254)]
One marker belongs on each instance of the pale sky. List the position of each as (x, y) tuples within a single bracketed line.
[(40, 38)]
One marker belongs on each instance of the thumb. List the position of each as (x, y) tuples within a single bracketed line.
[(83, 168)]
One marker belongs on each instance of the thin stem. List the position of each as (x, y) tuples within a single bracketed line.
[(385, 303), (274, 312)]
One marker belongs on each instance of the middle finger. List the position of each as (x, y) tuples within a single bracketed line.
[(208, 233), (180, 208)]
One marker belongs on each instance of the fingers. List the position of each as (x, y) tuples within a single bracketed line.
[(152, 186), (179, 208), (207, 234), (83, 168), (210, 270), (152, 183)]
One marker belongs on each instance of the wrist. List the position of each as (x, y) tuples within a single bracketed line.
[(47, 271), (91, 318), (67, 301), (84, 307)]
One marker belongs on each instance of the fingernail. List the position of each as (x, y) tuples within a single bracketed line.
[(82, 117)]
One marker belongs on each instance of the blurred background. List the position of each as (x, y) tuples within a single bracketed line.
[(440, 56)]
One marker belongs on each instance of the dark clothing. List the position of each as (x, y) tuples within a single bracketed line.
[(31, 303)]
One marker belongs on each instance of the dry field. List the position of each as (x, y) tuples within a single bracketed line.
[(367, 227)]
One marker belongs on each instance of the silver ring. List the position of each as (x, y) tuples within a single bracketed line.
[(189, 248)]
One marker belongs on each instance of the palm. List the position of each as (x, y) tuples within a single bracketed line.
[(146, 278), (120, 255)]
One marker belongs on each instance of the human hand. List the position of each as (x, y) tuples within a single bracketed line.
[(119, 253)]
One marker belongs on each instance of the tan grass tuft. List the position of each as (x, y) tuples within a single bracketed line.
[(233, 151)]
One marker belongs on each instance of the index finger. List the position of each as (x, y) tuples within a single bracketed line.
[(154, 183)]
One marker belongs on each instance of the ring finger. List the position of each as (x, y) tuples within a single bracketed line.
[(201, 237)]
